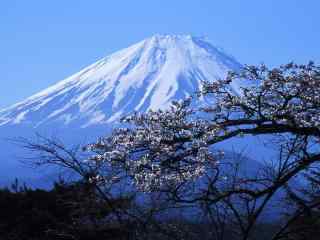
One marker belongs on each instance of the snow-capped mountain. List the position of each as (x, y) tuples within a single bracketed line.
[(77, 110), (147, 75)]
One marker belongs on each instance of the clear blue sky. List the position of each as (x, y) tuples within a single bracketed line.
[(42, 42)]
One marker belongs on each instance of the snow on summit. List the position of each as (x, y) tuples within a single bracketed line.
[(147, 75)]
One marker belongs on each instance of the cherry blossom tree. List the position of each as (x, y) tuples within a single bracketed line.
[(173, 159), (174, 151)]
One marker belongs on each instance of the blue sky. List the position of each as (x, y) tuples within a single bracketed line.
[(42, 42)]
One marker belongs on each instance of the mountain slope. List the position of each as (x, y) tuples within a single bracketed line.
[(147, 75)]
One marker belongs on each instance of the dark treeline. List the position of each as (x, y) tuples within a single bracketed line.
[(68, 211), (72, 211)]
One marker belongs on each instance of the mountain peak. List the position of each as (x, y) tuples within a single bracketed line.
[(147, 75), (171, 37), (176, 37), (172, 40)]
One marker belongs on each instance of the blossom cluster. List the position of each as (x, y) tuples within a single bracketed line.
[(173, 146), (289, 95), (164, 147)]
